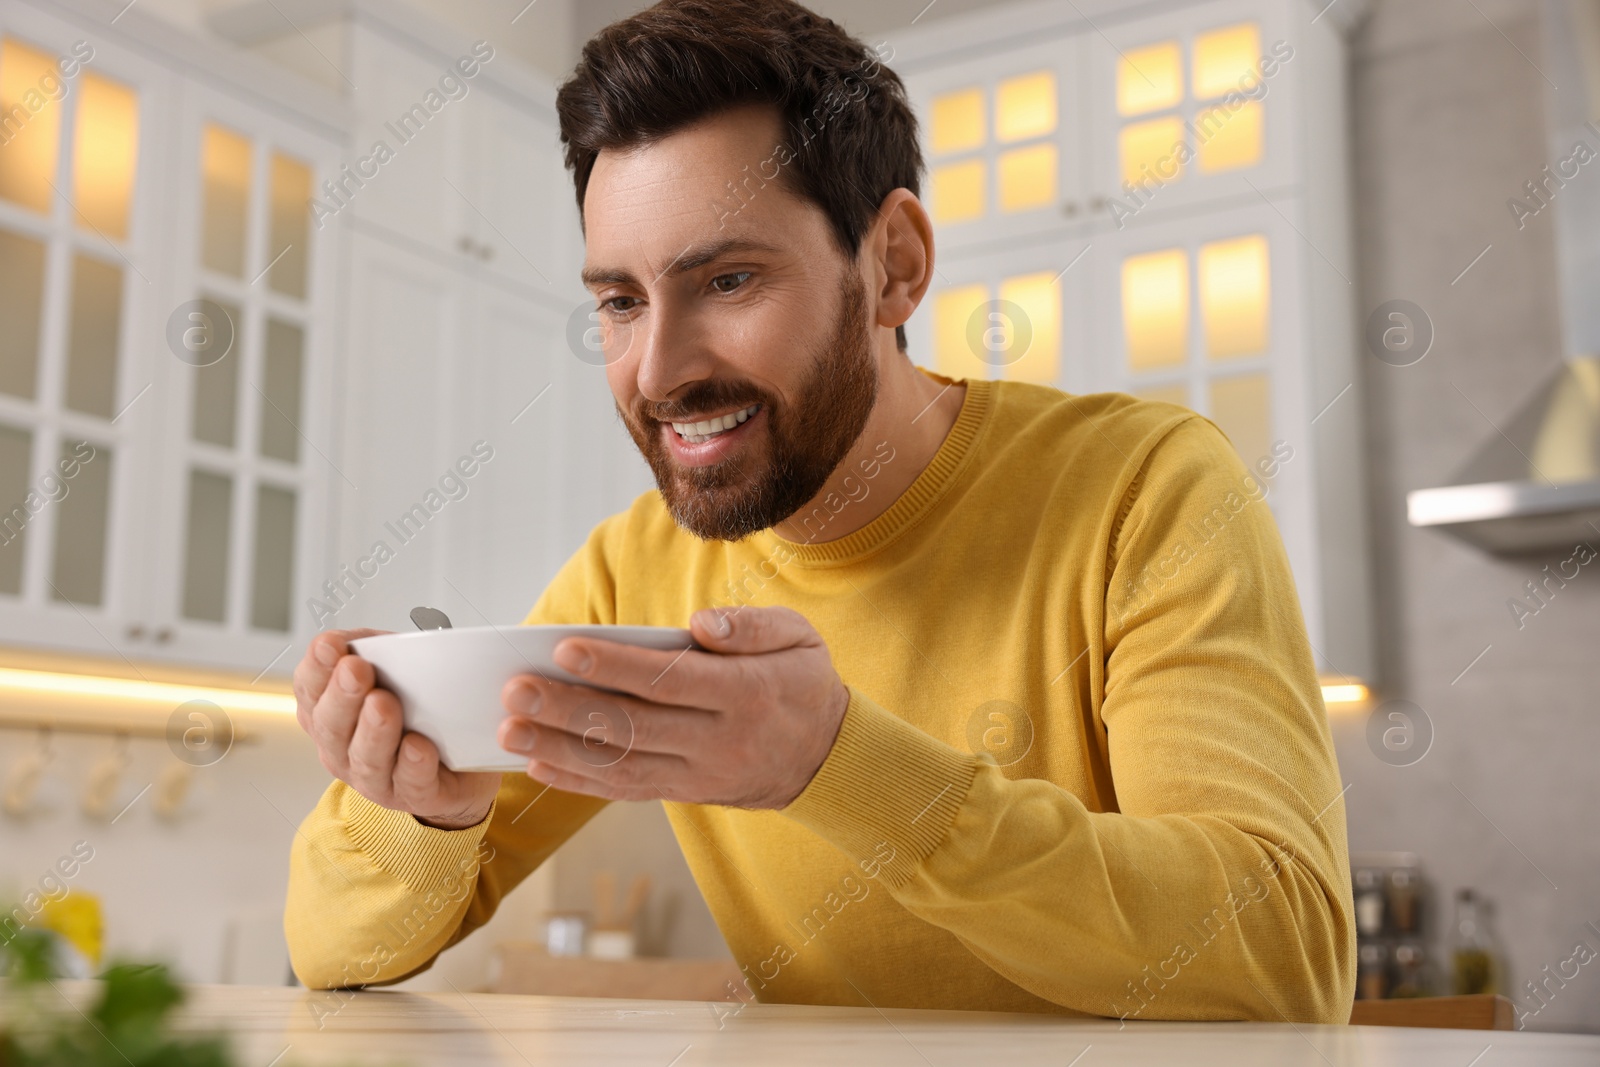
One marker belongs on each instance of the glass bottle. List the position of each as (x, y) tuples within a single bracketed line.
[(1403, 900), (1369, 901), (1473, 961)]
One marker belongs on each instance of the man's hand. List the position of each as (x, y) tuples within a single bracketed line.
[(745, 724), (361, 739)]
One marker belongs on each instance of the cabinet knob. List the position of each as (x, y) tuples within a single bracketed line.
[(164, 635), (1070, 209), (485, 253), (1097, 203), (465, 244), (135, 631)]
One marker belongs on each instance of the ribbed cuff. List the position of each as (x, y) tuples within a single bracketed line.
[(887, 793), (421, 857)]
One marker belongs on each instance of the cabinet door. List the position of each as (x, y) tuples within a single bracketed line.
[(82, 286), (1190, 106), (511, 531), (402, 372), (249, 463), (1003, 138), (407, 169), (522, 220), (1014, 315)]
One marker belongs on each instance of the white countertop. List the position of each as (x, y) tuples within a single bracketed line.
[(281, 1026)]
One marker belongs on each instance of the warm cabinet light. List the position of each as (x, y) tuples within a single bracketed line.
[(170, 693), (1155, 308), (104, 154), (1025, 106), (1225, 60), (958, 123), (1150, 79), (1345, 693)]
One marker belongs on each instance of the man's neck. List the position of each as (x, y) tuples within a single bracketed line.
[(912, 417)]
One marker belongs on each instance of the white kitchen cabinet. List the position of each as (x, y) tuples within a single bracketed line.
[(100, 217), (463, 255), (1223, 283)]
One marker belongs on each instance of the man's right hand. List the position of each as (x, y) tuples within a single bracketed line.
[(361, 739)]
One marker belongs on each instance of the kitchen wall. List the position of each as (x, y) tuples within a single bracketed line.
[(1448, 124)]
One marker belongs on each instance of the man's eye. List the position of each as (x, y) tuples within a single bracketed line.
[(727, 283), (626, 304)]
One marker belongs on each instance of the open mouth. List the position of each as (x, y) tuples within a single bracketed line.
[(706, 429)]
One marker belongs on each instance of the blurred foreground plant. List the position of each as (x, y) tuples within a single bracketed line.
[(126, 1026)]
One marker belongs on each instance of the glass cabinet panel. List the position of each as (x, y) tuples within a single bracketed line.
[(273, 574), (1025, 107), (1225, 60), (216, 393), (21, 304), (104, 154), (957, 123), (1235, 291), (16, 455), (290, 226), (1035, 357), (1242, 407), (82, 525), (205, 555), (94, 335), (31, 91), (1150, 78), (225, 164), (1155, 308), (958, 191), (280, 392)]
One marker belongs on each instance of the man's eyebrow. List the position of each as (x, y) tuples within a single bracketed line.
[(691, 258)]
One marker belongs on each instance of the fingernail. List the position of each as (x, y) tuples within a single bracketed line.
[(723, 624), (348, 680), (576, 660), (526, 700), (519, 737), (326, 654)]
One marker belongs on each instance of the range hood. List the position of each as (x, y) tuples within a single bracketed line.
[(1537, 485)]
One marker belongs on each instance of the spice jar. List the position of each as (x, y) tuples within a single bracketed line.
[(1369, 901), (1404, 898)]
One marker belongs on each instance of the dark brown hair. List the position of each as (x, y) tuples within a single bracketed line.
[(851, 136)]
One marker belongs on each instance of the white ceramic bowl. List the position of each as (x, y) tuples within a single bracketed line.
[(449, 681)]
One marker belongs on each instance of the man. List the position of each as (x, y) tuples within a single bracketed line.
[(981, 721)]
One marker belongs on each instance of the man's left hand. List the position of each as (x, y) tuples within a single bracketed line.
[(746, 723)]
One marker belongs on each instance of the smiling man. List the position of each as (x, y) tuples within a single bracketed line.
[(1003, 699)]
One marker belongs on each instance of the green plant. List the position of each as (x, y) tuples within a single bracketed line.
[(127, 1026)]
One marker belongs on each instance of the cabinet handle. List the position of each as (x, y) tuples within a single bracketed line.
[(135, 631), (164, 635), (1097, 203), (485, 253), (465, 245), (1070, 209)]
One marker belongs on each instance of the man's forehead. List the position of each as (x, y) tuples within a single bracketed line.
[(712, 181)]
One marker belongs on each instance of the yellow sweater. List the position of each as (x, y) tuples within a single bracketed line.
[(1085, 766)]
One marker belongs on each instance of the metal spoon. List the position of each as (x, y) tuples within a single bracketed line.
[(430, 619)]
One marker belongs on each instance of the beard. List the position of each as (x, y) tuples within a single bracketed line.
[(758, 488)]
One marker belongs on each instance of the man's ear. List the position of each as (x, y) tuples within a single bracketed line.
[(901, 247)]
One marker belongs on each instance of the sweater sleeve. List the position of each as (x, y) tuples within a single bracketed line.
[(374, 895), (1219, 888)]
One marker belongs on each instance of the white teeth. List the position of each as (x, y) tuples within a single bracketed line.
[(697, 432)]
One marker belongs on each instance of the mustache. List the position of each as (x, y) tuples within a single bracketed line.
[(702, 399)]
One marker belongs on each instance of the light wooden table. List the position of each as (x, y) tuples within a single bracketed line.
[(281, 1027)]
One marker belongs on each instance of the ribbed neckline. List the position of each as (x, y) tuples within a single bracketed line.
[(918, 497)]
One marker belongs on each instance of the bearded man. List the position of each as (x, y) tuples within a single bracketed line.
[(977, 719)]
